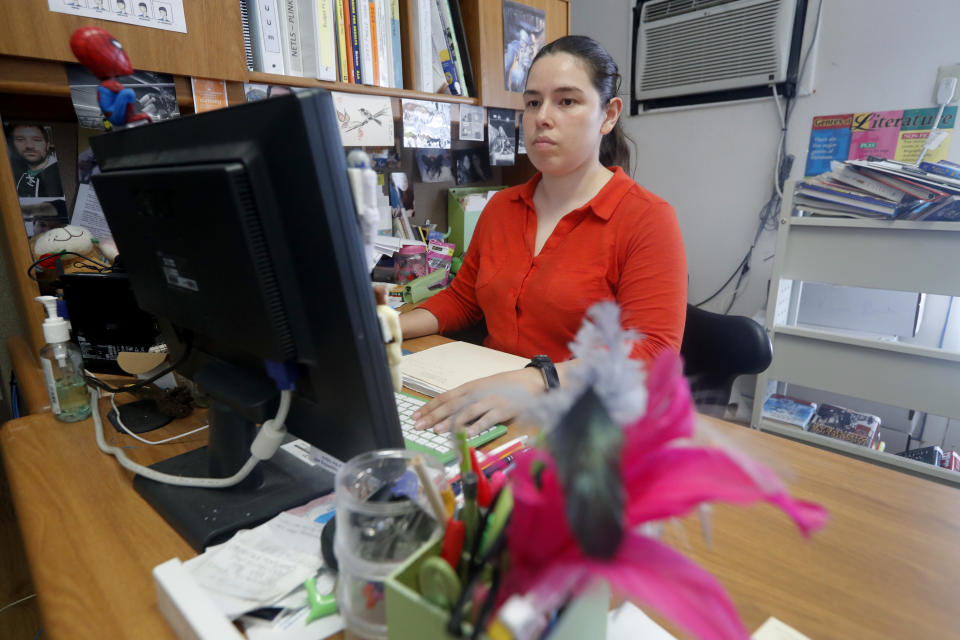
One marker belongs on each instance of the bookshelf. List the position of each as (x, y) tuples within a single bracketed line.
[(900, 255), (34, 45)]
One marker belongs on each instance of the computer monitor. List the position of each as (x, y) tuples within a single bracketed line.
[(238, 230)]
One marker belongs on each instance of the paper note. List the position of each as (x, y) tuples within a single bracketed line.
[(774, 629), (262, 564), (627, 622), (155, 14)]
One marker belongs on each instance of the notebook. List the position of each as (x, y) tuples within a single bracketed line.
[(444, 367)]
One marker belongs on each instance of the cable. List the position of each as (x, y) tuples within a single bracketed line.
[(99, 266), (113, 403), (266, 443), (16, 602), (783, 165)]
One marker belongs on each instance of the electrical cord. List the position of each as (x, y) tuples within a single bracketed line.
[(16, 602), (784, 163), (113, 403), (264, 445), (98, 266)]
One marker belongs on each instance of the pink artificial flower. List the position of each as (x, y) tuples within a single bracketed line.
[(662, 478)]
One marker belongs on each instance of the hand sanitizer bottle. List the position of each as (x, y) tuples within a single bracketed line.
[(62, 365)]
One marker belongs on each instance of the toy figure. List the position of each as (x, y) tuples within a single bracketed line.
[(392, 337), (104, 56)]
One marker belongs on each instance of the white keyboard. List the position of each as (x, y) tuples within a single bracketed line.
[(439, 445)]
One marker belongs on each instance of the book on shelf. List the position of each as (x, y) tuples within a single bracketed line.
[(788, 410), (453, 47), (930, 455), (356, 43), (422, 46), (344, 46), (263, 23), (463, 49), (290, 38), (396, 44), (308, 22), (848, 174), (369, 73), (438, 39), (942, 168), (929, 186), (845, 424), (326, 36), (821, 189), (950, 461), (438, 369), (380, 28)]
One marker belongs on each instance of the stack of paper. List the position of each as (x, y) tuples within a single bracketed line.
[(439, 369)]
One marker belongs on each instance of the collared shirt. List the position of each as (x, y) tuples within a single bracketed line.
[(624, 245)]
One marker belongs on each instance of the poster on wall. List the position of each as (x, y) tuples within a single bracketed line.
[(155, 14), (524, 34), (896, 135)]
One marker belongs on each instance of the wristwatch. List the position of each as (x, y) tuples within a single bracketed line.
[(550, 378)]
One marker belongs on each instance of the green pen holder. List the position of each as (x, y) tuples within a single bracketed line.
[(411, 617)]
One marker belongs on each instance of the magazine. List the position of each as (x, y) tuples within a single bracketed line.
[(788, 410)]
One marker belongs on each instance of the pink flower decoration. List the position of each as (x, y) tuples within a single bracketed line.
[(662, 478)]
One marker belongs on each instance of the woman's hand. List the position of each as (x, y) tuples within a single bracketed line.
[(479, 404)]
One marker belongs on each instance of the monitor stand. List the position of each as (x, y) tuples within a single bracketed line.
[(205, 517)]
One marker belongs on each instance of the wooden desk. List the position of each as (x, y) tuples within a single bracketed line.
[(886, 566)]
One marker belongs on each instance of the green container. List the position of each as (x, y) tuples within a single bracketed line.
[(410, 617), (460, 222)]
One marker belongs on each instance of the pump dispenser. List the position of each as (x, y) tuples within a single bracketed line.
[(62, 365)]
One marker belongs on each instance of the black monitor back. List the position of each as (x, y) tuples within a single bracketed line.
[(238, 227)]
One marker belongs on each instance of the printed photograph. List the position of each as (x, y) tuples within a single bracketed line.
[(472, 166), (100, 6), (401, 192), (524, 34), (120, 8), (471, 122), (155, 93), (426, 125), (502, 133), (434, 165), (364, 120), (162, 12), (33, 158)]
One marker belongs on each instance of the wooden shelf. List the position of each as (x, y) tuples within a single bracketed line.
[(295, 81)]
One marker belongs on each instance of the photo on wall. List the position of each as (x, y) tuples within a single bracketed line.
[(155, 92), (503, 132), (36, 175), (434, 165), (426, 124), (472, 166), (524, 34)]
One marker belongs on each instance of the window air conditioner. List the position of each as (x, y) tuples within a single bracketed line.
[(697, 51)]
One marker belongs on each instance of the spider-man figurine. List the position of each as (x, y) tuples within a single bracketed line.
[(104, 56)]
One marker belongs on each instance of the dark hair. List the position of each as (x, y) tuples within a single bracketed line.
[(605, 75), (31, 125)]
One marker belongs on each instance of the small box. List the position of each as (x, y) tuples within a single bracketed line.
[(460, 222), (410, 617)]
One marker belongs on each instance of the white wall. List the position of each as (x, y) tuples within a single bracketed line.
[(715, 164)]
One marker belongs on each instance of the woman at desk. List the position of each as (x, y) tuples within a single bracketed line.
[(578, 232)]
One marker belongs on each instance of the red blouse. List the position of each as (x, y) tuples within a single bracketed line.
[(624, 245)]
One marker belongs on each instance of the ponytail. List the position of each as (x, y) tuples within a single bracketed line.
[(615, 149)]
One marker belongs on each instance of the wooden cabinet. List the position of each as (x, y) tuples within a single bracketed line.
[(34, 44)]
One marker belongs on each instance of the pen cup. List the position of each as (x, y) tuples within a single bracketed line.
[(383, 517)]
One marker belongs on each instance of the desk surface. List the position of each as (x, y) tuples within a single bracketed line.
[(886, 566)]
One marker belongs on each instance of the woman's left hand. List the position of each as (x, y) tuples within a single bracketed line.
[(478, 405)]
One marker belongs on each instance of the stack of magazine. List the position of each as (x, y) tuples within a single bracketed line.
[(883, 189)]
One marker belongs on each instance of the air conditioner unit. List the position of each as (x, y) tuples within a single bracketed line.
[(690, 51)]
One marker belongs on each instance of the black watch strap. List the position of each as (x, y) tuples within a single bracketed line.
[(549, 372)]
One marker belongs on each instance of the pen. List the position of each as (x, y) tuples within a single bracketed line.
[(507, 445), (471, 520)]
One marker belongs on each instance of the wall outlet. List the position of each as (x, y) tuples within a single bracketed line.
[(948, 71)]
